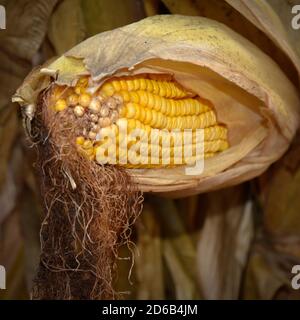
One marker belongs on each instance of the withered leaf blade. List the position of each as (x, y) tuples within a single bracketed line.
[(224, 242), (66, 27)]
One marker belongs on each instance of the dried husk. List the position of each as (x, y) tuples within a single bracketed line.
[(224, 242), (251, 94)]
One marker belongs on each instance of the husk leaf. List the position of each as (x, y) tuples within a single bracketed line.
[(251, 94)]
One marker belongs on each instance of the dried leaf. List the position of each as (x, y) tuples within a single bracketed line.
[(105, 15), (66, 27), (151, 7), (149, 267), (8, 132), (179, 250), (266, 273), (224, 242), (24, 38)]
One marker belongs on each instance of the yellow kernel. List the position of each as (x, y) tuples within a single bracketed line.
[(164, 106), (80, 140), (125, 95), (134, 97), (83, 81), (148, 116), (162, 89), (123, 85), (132, 111), (136, 84), (154, 118), (157, 103), (84, 99), (87, 144), (143, 98), (60, 105), (143, 84), (149, 85), (151, 100), (107, 90), (117, 85), (155, 87), (142, 114), (130, 85), (79, 90)]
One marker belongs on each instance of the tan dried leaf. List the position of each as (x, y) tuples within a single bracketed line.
[(224, 242), (66, 27)]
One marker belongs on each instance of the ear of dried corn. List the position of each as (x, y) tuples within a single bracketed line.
[(251, 96)]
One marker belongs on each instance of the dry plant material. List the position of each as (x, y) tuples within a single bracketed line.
[(89, 210)]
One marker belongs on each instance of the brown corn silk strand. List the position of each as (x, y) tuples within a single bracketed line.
[(89, 210)]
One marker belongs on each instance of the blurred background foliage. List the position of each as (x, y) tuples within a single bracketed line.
[(240, 242)]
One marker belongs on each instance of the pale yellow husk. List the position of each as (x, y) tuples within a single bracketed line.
[(251, 95)]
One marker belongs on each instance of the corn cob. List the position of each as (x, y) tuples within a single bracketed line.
[(148, 102)]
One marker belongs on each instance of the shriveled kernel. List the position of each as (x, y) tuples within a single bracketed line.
[(95, 106), (114, 115), (104, 111), (106, 122), (79, 111), (118, 99), (111, 103), (96, 127), (101, 97), (92, 135), (94, 117), (72, 100)]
